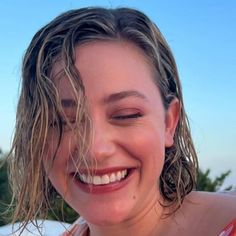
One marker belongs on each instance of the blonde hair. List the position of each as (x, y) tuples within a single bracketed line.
[(39, 101)]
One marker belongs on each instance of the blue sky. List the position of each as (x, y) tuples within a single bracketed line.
[(202, 35)]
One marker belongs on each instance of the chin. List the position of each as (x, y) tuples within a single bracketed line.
[(107, 217)]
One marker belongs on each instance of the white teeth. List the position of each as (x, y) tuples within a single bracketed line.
[(124, 173), (104, 179), (88, 179), (112, 178), (83, 177), (97, 180), (118, 175)]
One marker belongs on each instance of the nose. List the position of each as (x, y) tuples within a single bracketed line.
[(102, 144)]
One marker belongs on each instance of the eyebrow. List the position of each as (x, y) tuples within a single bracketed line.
[(124, 94), (71, 103)]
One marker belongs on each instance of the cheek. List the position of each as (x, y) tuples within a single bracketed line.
[(58, 149), (147, 145), (56, 159)]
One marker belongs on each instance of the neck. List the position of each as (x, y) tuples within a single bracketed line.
[(151, 221)]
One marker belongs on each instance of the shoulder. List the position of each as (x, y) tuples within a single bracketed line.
[(217, 201), (210, 212)]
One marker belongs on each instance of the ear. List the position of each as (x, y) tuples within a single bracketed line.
[(171, 121)]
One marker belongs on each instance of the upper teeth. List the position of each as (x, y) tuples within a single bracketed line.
[(103, 179)]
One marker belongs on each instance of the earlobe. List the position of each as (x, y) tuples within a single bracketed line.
[(171, 121)]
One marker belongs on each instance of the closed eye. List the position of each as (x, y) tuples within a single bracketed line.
[(128, 116), (63, 123)]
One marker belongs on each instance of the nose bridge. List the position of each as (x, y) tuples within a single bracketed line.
[(102, 145)]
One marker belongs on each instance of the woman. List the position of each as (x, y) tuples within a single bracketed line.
[(101, 120)]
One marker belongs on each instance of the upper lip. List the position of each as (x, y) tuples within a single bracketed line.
[(101, 171)]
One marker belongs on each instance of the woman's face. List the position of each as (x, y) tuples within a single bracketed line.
[(131, 129)]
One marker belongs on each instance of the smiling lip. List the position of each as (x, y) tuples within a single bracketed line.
[(104, 188)]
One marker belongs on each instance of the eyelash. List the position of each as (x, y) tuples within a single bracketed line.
[(129, 116)]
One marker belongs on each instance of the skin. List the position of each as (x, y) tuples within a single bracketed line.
[(139, 142)]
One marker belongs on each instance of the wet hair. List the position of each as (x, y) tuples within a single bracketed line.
[(39, 102)]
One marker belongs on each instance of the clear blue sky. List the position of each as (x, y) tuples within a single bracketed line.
[(202, 35)]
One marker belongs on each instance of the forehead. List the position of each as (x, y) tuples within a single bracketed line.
[(111, 66), (104, 54), (61, 79)]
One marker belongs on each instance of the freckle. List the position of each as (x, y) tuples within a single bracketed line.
[(134, 197)]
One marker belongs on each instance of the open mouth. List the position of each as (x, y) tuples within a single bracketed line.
[(104, 179)]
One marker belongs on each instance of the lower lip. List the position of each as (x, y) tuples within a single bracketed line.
[(101, 189)]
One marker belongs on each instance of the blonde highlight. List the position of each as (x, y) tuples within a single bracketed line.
[(39, 102)]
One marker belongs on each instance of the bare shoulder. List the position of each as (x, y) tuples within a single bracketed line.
[(216, 201), (209, 213)]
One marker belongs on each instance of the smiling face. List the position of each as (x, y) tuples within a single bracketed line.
[(131, 129)]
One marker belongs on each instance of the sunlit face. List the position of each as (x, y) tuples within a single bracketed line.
[(131, 131)]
